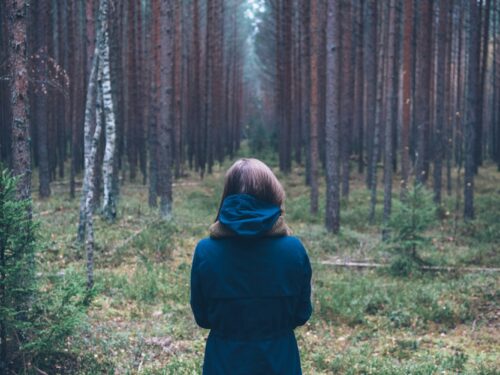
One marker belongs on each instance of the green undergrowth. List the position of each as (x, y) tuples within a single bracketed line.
[(364, 321)]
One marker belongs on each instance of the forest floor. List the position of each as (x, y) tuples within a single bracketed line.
[(364, 321)]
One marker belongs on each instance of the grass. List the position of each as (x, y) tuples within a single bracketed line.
[(364, 322)]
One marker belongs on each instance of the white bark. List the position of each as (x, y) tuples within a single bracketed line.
[(89, 119), (89, 241), (109, 201), (92, 144)]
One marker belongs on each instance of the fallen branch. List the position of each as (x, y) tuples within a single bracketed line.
[(349, 264)]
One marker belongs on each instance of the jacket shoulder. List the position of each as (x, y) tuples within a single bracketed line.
[(203, 246), (294, 243)]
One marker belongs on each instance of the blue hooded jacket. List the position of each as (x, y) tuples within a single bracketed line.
[(251, 291)]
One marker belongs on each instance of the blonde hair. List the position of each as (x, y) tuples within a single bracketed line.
[(253, 177)]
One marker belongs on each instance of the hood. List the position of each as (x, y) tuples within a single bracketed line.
[(248, 216)]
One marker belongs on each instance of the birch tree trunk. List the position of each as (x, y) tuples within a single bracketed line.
[(90, 117), (109, 201), (89, 173)]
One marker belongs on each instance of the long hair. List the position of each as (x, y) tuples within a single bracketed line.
[(253, 177)]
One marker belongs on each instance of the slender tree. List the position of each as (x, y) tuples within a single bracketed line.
[(333, 120), (471, 109), (109, 201), (315, 103), (166, 113)]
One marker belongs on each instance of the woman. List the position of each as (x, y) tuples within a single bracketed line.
[(251, 280)]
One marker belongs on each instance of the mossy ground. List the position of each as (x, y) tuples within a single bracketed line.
[(364, 321)]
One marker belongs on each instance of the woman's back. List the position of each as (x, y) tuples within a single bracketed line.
[(251, 286)]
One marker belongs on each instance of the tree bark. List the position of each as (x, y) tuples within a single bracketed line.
[(392, 87), (40, 108), (422, 89), (471, 119), (109, 201), (21, 158), (439, 128), (370, 62), (332, 134), (315, 103), (166, 114)]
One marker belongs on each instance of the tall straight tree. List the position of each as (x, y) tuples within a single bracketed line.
[(166, 112), (471, 114), (423, 86), (315, 33), (332, 133), (109, 201), (370, 66), (392, 93), (155, 103), (407, 94), (484, 42), (439, 128), (379, 110), (41, 18), (21, 158), (347, 88)]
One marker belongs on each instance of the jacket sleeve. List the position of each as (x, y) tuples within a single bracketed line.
[(198, 303), (304, 307)]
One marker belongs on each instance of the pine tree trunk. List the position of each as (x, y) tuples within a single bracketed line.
[(471, 119), (166, 114), (40, 107), (155, 110), (422, 89), (371, 83), (178, 85), (407, 95), (21, 158), (332, 135), (315, 103), (347, 88), (392, 73), (359, 85), (439, 128), (484, 43), (379, 112)]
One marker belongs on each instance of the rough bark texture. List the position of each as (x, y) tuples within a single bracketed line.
[(439, 128), (40, 107), (92, 157), (407, 94), (470, 121), (422, 109), (315, 103), (371, 83), (21, 157), (332, 219), (166, 114), (391, 113), (109, 200)]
